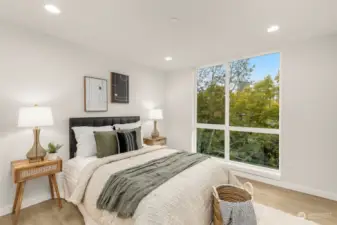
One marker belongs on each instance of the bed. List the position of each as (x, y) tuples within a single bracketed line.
[(184, 199)]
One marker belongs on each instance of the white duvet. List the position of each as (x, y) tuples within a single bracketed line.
[(184, 199)]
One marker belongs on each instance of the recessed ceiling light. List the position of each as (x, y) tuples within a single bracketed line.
[(273, 28), (52, 9), (168, 58)]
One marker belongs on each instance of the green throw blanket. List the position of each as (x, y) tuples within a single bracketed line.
[(125, 189)]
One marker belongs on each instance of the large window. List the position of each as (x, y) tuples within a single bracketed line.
[(238, 110)]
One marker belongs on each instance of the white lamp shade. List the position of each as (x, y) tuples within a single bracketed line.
[(156, 114), (35, 117)]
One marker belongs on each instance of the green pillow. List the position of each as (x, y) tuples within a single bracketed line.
[(138, 135), (106, 143)]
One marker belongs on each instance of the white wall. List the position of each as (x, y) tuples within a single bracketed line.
[(179, 109), (309, 109), (308, 115), (39, 69)]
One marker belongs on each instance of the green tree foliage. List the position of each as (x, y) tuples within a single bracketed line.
[(255, 148), (255, 105), (216, 146), (252, 104), (211, 98)]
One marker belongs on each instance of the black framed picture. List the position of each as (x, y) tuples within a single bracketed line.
[(119, 88)]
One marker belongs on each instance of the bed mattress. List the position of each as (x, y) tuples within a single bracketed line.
[(72, 170)]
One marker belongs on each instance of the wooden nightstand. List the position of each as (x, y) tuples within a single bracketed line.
[(155, 141), (23, 170)]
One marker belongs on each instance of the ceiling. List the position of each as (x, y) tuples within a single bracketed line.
[(208, 31)]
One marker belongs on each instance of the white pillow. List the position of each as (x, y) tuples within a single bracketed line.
[(86, 144), (129, 126)]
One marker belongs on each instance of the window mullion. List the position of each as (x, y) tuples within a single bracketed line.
[(255, 130), (227, 105), (195, 113), (210, 126)]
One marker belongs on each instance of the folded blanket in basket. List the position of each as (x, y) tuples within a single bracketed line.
[(238, 213)]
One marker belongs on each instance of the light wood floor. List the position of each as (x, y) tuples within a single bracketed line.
[(319, 210), (47, 213)]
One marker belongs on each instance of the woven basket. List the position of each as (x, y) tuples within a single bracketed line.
[(229, 193)]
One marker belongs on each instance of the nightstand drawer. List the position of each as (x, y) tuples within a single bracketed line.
[(159, 142), (155, 141), (34, 170)]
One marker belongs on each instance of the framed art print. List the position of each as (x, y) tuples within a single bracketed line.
[(95, 94), (119, 88)]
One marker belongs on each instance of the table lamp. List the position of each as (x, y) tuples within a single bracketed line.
[(35, 117), (155, 114)]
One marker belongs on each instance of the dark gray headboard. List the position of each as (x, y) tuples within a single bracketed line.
[(94, 122)]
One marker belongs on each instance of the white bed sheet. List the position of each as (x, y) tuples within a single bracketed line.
[(72, 171)]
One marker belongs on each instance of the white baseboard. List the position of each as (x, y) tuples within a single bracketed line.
[(290, 186), (26, 202)]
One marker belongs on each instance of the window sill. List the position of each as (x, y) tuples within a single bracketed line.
[(253, 170)]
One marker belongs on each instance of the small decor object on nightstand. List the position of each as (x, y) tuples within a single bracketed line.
[(155, 114), (155, 141), (23, 171), (35, 117), (52, 151)]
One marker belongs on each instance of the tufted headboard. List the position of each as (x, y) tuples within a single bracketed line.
[(94, 122)]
